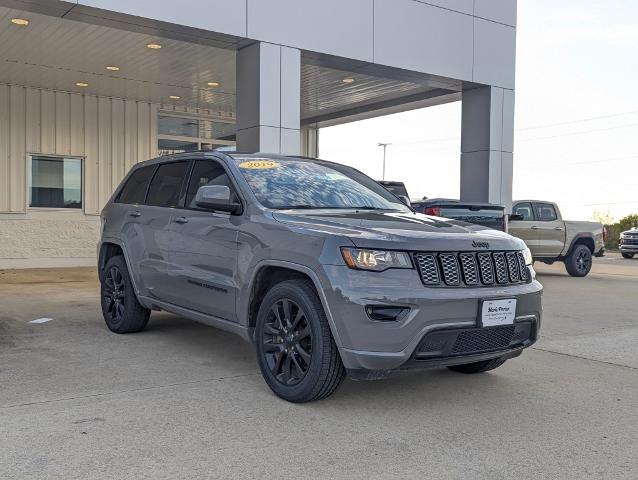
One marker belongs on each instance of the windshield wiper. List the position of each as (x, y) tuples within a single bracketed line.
[(298, 207)]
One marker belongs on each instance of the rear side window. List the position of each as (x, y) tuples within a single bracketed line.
[(545, 212), (135, 189), (525, 210), (167, 185)]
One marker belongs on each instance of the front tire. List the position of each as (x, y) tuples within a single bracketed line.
[(478, 367), (628, 255), (120, 308), (297, 355), (578, 262)]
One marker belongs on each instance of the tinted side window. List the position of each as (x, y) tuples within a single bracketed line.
[(207, 172), (524, 209), (167, 184), (135, 189), (545, 212)]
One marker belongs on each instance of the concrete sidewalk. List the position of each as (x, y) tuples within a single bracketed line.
[(181, 400)]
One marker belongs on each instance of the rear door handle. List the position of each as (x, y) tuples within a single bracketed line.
[(135, 214), (558, 229), (533, 227), (181, 220)]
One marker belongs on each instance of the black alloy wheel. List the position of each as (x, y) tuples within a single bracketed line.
[(583, 261), (121, 309), (287, 342), (579, 262), (114, 295), (296, 353)]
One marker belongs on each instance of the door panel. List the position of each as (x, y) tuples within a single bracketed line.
[(203, 262), (527, 229), (146, 237), (152, 227), (551, 230), (203, 254)]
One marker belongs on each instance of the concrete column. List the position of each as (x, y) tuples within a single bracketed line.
[(487, 143), (268, 99), (310, 142)]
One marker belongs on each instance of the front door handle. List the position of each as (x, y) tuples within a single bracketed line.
[(135, 214), (181, 220), (533, 227)]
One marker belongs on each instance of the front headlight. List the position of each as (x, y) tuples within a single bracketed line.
[(527, 254), (376, 260)]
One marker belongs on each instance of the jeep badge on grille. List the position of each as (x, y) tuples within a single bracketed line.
[(476, 244)]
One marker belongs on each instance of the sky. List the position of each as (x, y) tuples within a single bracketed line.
[(576, 130)]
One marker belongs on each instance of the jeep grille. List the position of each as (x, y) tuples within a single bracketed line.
[(471, 269)]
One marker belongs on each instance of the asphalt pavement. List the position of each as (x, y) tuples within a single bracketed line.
[(181, 400)]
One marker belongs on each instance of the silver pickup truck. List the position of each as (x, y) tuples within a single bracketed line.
[(550, 238)]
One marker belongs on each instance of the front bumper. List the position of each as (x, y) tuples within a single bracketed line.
[(370, 349), (627, 248)]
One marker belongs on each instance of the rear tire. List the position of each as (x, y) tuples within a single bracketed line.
[(478, 367), (297, 355), (627, 255), (578, 262), (120, 308)]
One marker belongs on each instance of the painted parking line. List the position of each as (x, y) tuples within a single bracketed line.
[(41, 320)]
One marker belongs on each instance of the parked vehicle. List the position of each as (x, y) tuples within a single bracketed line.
[(485, 214), (550, 238), (628, 243), (322, 268), (397, 188)]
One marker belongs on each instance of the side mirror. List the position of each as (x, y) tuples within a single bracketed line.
[(405, 200), (216, 197), (516, 217)]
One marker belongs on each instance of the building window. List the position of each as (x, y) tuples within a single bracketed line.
[(179, 134), (55, 182)]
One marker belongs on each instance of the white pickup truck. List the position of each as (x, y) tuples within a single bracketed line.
[(550, 238)]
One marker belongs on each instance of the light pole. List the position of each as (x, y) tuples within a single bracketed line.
[(385, 147)]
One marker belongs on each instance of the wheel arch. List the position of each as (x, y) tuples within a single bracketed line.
[(582, 239), (110, 248), (269, 273)]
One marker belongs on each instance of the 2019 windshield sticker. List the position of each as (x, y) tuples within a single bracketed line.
[(259, 165)]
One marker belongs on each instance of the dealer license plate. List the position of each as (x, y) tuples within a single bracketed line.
[(498, 312)]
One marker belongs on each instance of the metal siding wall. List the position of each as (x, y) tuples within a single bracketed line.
[(62, 123), (117, 142), (104, 159), (18, 143), (91, 193), (34, 118), (5, 158), (130, 134), (111, 134), (77, 124), (47, 125)]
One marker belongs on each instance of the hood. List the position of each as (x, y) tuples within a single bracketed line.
[(400, 230)]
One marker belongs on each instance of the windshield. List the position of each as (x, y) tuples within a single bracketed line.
[(313, 184)]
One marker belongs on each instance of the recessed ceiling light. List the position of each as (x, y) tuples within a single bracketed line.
[(174, 97), (153, 46), (82, 84), (20, 21), (213, 84), (113, 68), (348, 80)]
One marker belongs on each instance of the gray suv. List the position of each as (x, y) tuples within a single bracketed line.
[(324, 270)]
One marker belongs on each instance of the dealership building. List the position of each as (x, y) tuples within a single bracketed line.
[(89, 88)]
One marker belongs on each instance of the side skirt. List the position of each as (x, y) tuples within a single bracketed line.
[(199, 317)]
